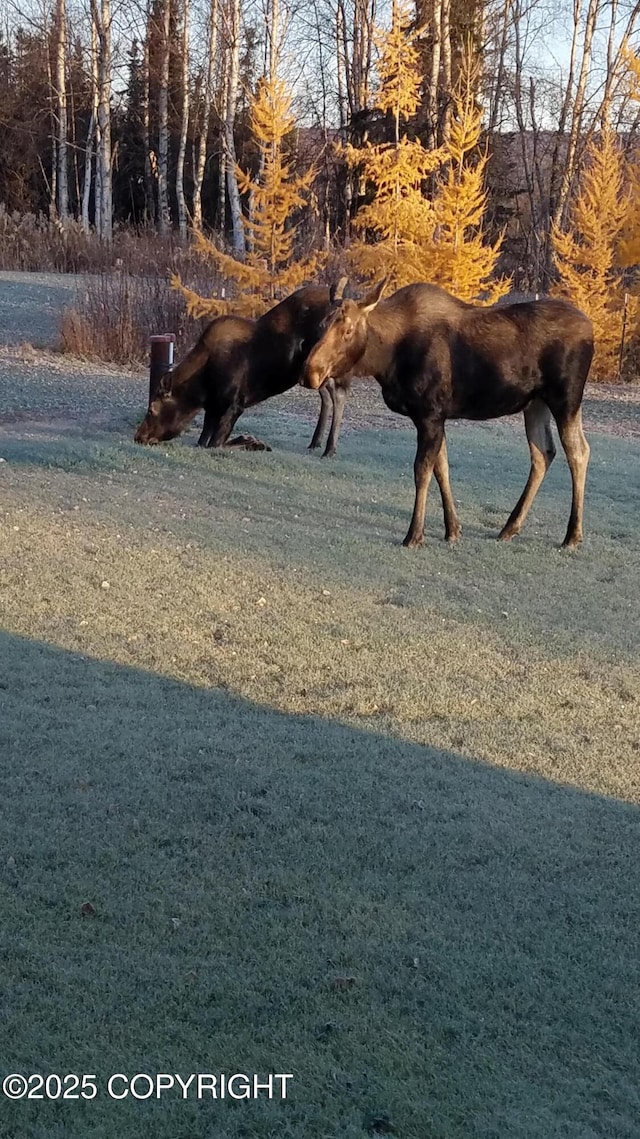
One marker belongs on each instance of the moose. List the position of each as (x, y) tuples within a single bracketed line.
[(238, 363), (438, 358)]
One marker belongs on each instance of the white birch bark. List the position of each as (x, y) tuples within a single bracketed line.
[(235, 205), (434, 77), (164, 217), (149, 194), (61, 94), (104, 192), (184, 123), (207, 98)]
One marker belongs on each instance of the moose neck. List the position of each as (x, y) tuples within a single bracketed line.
[(379, 346)]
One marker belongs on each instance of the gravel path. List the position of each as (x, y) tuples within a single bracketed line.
[(31, 304)]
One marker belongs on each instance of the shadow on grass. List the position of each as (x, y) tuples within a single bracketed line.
[(415, 937)]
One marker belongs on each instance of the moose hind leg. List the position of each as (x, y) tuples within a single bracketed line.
[(452, 527), (338, 397), (537, 423), (326, 402), (430, 436), (577, 451)]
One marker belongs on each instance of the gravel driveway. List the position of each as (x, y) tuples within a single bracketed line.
[(31, 305)]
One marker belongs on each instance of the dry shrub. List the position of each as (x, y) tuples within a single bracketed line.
[(116, 312), (35, 243)]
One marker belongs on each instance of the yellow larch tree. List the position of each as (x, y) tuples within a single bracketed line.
[(586, 252), (270, 270), (396, 227), (463, 262)]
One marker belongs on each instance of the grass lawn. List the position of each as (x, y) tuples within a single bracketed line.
[(364, 815)]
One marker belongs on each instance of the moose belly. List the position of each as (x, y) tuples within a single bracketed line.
[(492, 398)]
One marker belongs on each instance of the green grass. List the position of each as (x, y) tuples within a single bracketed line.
[(280, 750)]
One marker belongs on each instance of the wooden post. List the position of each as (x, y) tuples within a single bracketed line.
[(160, 361)]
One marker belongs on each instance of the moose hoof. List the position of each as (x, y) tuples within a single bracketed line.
[(413, 541), (248, 443), (507, 534), (572, 543), (454, 535), (329, 453)]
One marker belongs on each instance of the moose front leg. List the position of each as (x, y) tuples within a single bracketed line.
[(338, 396), (430, 438), (218, 427), (208, 428), (452, 527), (326, 401)]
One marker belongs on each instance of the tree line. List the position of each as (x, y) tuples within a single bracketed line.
[(428, 135)]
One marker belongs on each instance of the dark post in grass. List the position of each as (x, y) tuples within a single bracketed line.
[(160, 361)]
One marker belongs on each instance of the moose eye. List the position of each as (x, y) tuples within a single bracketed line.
[(348, 331)]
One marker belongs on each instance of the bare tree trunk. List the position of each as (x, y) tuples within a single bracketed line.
[(222, 169), (104, 199), (164, 218), (434, 78), (537, 227), (184, 123), (206, 115), (496, 94), (149, 195), (53, 185), (92, 136), (233, 48), (61, 93), (445, 32)]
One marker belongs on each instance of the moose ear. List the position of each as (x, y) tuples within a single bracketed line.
[(370, 301), (164, 387), (336, 291)]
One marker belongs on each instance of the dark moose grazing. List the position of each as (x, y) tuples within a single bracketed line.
[(437, 358), (238, 363)]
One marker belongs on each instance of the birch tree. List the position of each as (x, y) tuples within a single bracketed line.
[(149, 196), (207, 99), (232, 46), (184, 123), (61, 95), (164, 217), (91, 133), (104, 192)]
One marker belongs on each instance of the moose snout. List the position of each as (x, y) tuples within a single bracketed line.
[(313, 376), (143, 433)]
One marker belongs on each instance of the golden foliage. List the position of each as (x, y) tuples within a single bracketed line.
[(269, 270), (463, 263), (400, 218), (399, 70), (419, 239), (586, 253)]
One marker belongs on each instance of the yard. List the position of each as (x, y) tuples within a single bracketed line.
[(282, 796)]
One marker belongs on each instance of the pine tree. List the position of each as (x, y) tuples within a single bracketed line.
[(586, 253), (463, 263), (400, 216), (270, 270)]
